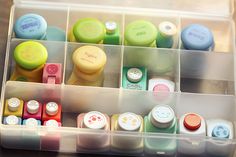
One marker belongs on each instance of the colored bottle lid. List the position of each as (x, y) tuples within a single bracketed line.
[(55, 34), (12, 120), (129, 121), (31, 122), (167, 29), (162, 116), (32, 106), (134, 75), (220, 131), (95, 120), (30, 54), (89, 30), (52, 123), (111, 27), (140, 33), (13, 104), (89, 59), (163, 85), (30, 26), (197, 37), (192, 121), (51, 108)]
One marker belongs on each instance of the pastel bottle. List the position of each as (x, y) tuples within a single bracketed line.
[(221, 131), (160, 120), (98, 142), (127, 122), (112, 35), (32, 109), (195, 125), (89, 63), (30, 57), (13, 106)]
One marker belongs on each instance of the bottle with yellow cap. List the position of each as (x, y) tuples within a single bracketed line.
[(89, 62), (30, 57)]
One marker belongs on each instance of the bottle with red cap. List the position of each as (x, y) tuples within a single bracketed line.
[(192, 124)]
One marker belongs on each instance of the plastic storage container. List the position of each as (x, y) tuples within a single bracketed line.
[(204, 81)]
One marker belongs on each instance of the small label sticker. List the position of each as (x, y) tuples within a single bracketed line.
[(52, 69), (95, 120), (129, 121)]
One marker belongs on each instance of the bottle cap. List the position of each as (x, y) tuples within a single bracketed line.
[(95, 120), (32, 106), (134, 75), (12, 120), (167, 28), (220, 131), (55, 34), (111, 27), (52, 123), (192, 121), (129, 121), (51, 108), (140, 33), (30, 54), (30, 26), (197, 37), (31, 122), (13, 104), (162, 116), (89, 59), (89, 30)]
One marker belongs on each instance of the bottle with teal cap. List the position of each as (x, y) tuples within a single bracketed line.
[(30, 57), (161, 119)]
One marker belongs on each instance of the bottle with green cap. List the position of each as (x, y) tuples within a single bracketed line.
[(88, 30), (112, 35), (140, 33), (30, 57), (161, 119)]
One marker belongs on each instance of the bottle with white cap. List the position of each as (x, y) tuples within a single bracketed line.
[(93, 120), (166, 32), (127, 122), (13, 106), (134, 78), (161, 119), (32, 109), (12, 120), (31, 122), (195, 125), (112, 35), (51, 110), (222, 132)]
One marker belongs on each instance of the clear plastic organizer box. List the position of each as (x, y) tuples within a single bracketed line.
[(205, 81)]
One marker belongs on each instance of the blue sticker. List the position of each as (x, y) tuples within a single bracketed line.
[(220, 131)]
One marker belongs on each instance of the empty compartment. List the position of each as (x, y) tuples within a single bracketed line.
[(223, 40), (55, 51), (207, 72), (101, 14), (49, 14), (155, 20)]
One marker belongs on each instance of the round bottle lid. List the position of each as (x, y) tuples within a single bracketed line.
[(32, 106), (52, 123), (13, 104), (89, 30), (161, 88), (95, 120), (12, 120), (140, 33), (89, 59), (31, 122), (134, 75), (55, 34), (30, 54), (162, 116), (129, 121), (197, 37), (192, 121), (111, 27), (220, 131), (30, 26), (51, 108), (167, 28)]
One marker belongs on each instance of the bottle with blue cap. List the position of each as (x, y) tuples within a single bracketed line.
[(197, 37), (220, 130)]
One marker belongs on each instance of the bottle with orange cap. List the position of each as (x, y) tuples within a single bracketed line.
[(89, 62), (161, 119), (192, 124)]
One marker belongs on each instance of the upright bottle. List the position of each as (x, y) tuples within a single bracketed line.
[(160, 120)]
